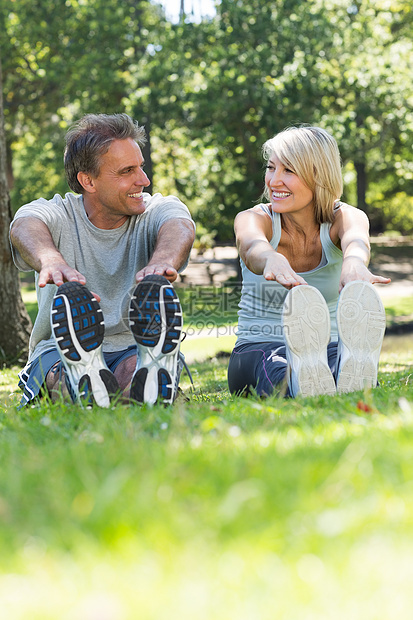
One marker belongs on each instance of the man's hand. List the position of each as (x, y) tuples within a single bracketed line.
[(58, 273), (165, 270)]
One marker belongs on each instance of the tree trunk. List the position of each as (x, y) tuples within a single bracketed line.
[(142, 118), (15, 322), (147, 151), (360, 167)]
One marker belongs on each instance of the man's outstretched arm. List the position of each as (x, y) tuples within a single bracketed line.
[(174, 243), (31, 238)]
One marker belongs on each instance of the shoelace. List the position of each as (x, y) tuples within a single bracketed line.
[(188, 372), (184, 364)]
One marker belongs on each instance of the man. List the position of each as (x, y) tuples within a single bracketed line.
[(108, 237)]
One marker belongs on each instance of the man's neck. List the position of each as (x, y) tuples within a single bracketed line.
[(100, 218)]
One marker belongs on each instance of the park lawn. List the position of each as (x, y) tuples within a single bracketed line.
[(218, 508)]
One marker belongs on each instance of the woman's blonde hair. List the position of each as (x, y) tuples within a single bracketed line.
[(312, 153)]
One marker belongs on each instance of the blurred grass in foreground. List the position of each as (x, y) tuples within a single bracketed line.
[(219, 508)]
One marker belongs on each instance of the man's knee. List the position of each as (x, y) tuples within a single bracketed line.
[(124, 372), (55, 382)]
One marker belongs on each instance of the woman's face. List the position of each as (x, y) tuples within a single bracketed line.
[(287, 192)]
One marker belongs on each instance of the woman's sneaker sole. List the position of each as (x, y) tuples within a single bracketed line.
[(78, 330), (361, 322), (306, 325), (155, 319)]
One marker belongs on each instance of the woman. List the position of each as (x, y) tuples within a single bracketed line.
[(298, 253)]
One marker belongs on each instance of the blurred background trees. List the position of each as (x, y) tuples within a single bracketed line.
[(211, 92)]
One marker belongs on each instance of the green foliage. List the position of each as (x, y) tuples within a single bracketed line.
[(59, 63), (211, 93), (37, 169), (398, 210), (237, 79)]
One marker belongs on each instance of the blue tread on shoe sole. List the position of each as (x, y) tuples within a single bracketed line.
[(78, 330), (155, 319)]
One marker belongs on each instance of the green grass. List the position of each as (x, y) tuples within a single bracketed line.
[(218, 508), (29, 297), (399, 307)]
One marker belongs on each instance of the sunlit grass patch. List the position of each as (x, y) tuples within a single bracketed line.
[(400, 306), (206, 510), (216, 508), (203, 348)]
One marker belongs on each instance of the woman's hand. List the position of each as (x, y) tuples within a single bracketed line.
[(278, 268), (350, 231), (354, 269), (253, 232)]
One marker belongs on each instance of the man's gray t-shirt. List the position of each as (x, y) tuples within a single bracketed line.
[(109, 259)]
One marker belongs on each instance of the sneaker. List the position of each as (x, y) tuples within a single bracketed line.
[(306, 327), (155, 319), (361, 322), (78, 330)]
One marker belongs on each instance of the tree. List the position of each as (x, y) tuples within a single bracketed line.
[(230, 85), (212, 92), (365, 88), (59, 63), (15, 321), (63, 61), (235, 80)]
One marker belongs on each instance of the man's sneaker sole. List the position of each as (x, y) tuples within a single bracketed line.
[(78, 329), (361, 322), (306, 325), (155, 319)]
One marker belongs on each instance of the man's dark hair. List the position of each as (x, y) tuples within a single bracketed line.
[(90, 138)]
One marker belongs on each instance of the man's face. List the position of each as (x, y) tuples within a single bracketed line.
[(121, 180)]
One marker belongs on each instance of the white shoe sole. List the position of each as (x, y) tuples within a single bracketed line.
[(361, 322), (306, 325)]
